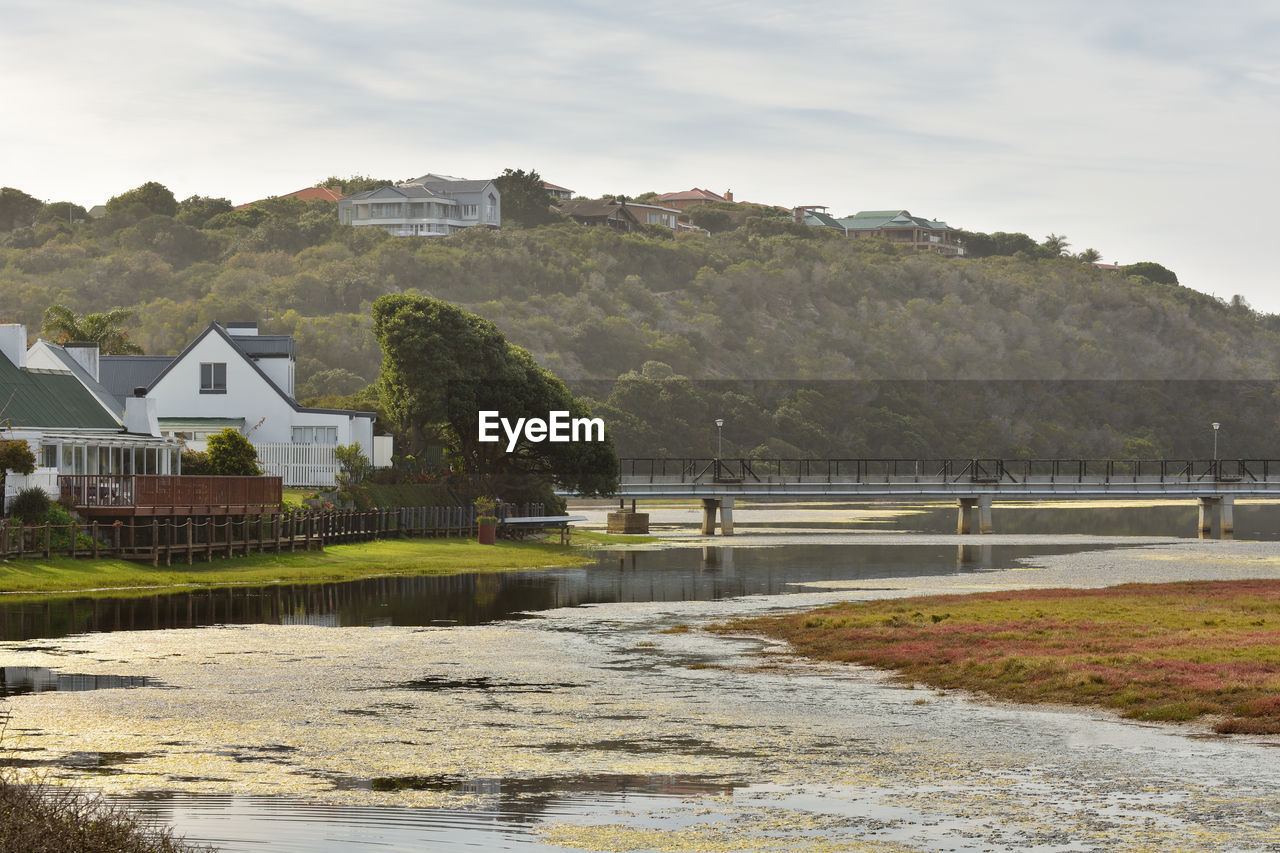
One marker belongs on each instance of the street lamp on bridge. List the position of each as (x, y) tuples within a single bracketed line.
[(719, 437), (1215, 440)]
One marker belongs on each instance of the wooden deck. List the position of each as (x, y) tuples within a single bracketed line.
[(117, 496)]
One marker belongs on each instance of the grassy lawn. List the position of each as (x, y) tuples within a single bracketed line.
[(337, 562), (1169, 652)]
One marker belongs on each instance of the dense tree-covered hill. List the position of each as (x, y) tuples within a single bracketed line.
[(805, 342)]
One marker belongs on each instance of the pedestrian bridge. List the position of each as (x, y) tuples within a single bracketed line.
[(974, 483)]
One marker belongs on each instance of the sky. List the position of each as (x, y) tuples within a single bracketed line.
[(1149, 131)]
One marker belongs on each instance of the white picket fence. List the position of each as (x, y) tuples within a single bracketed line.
[(299, 464)]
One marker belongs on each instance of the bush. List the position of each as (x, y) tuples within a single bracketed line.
[(231, 454), (31, 505), (196, 462)]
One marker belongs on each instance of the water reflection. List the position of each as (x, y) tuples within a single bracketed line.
[(18, 680), (679, 574)]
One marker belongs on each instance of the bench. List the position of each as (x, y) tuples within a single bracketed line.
[(519, 528)]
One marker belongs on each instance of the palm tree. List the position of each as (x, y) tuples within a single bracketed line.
[(1089, 256), (1055, 245), (65, 326)]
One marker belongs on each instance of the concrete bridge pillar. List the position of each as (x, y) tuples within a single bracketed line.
[(1217, 517), (726, 516), (969, 507), (709, 507)]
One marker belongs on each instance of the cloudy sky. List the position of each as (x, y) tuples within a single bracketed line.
[(1149, 131)]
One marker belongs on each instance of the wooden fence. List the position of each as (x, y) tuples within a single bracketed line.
[(187, 539)]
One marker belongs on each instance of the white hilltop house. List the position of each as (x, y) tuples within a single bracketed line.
[(234, 377), (429, 206)]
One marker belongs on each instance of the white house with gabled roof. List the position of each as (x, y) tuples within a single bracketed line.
[(235, 377)]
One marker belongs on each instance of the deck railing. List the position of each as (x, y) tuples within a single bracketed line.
[(132, 491)]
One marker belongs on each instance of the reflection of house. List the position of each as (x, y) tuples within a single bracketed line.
[(620, 215), (693, 198), (72, 429), (238, 378), (430, 206), (900, 227)]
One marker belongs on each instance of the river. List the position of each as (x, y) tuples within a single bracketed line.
[(583, 709)]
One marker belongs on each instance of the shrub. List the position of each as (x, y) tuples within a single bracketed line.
[(231, 454), (31, 505)]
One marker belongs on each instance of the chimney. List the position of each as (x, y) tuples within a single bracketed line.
[(243, 330), (13, 343), (85, 354), (140, 414), (728, 195)]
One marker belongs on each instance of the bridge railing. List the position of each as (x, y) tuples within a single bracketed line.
[(977, 471)]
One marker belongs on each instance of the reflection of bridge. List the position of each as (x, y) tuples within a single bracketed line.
[(974, 483)]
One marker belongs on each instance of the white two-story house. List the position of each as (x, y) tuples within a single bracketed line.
[(235, 377), (429, 206)]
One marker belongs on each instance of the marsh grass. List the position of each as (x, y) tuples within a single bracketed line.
[(42, 818), (1161, 652)]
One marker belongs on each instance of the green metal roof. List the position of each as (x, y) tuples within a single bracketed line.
[(48, 399), (870, 220)]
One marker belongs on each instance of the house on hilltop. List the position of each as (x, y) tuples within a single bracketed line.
[(306, 194), (624, 216), (688, 199), (429, 206), (900, 227)]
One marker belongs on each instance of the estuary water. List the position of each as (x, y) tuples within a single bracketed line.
[(585, 708)]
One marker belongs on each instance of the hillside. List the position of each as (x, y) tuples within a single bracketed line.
[(805, 342)]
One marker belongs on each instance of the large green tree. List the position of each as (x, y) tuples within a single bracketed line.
[(104, 329), (443, 366), (17, 209), (524, 199), (143, 201)]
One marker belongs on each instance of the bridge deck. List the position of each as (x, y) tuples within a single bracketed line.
[(1026, 479)]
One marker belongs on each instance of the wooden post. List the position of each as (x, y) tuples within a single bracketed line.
[(72, 529), (155, 543), (169, 526), (48, 541), (190, 542), (115, 538), (94, 546)]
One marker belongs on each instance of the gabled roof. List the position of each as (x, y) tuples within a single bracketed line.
[(120, 374), (410, 191), (307, 194), (547, 185), (49, 399), (591, 208), (447, 184), (818, 218), (871, 220), (215, 329), (113, 403), (695, 194)]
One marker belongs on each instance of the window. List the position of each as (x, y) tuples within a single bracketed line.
[(315, 435), (213, 377), (48, 456)]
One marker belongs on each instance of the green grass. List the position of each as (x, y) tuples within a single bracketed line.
[(1161, 652), (337, 562)]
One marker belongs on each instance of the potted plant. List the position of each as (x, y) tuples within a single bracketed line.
[(486, 520)]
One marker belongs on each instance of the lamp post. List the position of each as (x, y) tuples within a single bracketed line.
[(719, 437), (1215, 440)]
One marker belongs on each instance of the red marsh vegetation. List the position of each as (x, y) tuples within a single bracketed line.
[(1170, 652)]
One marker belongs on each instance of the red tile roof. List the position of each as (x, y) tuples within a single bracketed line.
[(691, 195), (308, 194)]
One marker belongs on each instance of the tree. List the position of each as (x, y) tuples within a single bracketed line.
[(442, 366), (65, 326), (524, 200), (1151, 271), (231, 454), (1055, 245), (15, 456), (17, 209), (354, 184), (196, 210), (1089, 256), (62, 211), (711, 219), (143, 201)]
